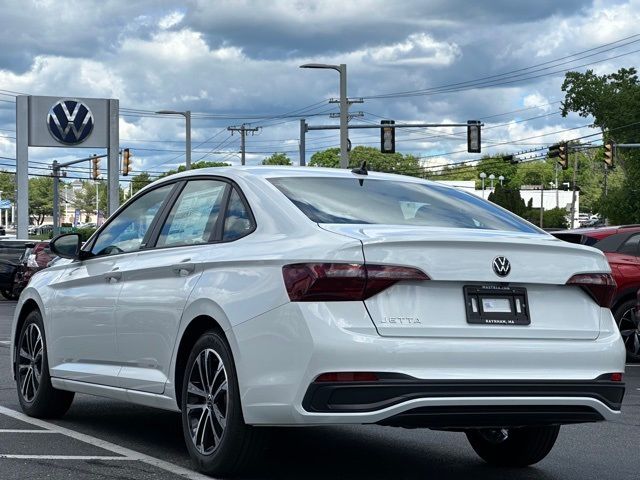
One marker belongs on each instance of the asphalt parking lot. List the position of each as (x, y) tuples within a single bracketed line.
[(100, 438)]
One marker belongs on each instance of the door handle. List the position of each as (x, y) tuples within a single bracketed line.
[(113, 277), (183, 269)]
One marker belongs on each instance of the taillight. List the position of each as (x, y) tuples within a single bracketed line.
[(601, 286), (316, 282)]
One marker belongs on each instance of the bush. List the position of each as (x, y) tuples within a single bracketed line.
[(85, 233)]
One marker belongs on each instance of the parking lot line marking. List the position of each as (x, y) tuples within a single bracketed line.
[(112, 447), (67, 457), (17, 430), (5, 342)]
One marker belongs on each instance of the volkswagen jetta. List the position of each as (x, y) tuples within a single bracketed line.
[(248, 298)]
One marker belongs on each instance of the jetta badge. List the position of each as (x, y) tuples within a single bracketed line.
[(70, 121), (501, 266)]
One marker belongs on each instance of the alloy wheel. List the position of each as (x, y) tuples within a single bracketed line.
[(30, 361), (207, 401), (629, 326)]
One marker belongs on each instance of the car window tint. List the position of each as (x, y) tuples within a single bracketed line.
[(193, 217), (393, 202), (237, 221), (126, 231), (631, 246)]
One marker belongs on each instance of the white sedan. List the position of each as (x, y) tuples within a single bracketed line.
[(271, 296)]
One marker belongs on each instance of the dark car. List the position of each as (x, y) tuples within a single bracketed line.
[(35, 257), (621, 245), (3, 231), (10, 253)]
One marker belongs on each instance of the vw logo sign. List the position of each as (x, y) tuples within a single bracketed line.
[(70, 121), (501, 266)]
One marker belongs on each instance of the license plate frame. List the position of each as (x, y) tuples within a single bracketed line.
[(477, 297)]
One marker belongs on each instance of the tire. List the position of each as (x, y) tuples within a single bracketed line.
[(520, 448), (627, 321), (37, 396), (235, 445)]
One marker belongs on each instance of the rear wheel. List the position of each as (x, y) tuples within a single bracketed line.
[(37, 396), (629, 326), (217, 438), (513, 447)]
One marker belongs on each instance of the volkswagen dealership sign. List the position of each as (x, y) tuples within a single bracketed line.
[(64, 122), (70, 121)]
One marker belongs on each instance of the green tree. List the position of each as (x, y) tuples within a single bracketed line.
[(508, 198), (140, 181), (194, 166), (613, 101), (40, 198), (277, 159), (376, 160)]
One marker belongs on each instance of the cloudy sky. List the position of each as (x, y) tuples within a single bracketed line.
[(235, 61)]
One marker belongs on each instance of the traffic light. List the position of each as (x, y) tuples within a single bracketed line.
[(126, 162), (608, 153), (554, 151), (473, 136), (563, 155), (96, 167), (387, 137)]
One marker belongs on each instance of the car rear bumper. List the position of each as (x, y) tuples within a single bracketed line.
[(512, 404), (523, 381)]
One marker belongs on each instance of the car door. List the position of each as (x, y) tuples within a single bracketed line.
[(83, 346), (160, 280)]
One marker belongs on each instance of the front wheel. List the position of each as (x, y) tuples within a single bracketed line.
[(37, 396), (217, 438), (513, 447)]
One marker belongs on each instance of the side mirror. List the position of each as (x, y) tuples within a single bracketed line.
[(67, 245)]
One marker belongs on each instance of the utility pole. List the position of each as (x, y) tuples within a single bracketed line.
[(303, 153), (541, 203), (557, 188), (243, 129), (573, 187)]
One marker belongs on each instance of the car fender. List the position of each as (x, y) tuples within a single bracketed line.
[(29, 294)]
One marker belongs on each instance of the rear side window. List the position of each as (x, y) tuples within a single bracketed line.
[(237, 222), (390, 202), (194, 216), (631, 246)]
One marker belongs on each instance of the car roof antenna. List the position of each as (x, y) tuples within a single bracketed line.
[(361, 171)]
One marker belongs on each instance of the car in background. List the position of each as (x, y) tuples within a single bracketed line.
[(35, 257), (621, 245), (10, 253), (3, 231)]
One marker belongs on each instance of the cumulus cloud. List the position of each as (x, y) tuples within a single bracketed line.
[(235, 59)]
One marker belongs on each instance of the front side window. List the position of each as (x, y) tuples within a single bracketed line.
[(194, 216), (394, 202), (126, 232)]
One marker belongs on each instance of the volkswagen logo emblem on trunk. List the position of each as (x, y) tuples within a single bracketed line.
[(70, 121), (501, 266)]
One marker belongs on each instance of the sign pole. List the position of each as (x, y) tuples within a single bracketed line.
[(22, 166), (113, 167)]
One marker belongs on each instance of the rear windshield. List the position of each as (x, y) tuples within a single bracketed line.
[(391, 202)]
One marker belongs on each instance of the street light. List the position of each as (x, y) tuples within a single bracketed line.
[(492, 177), (483, 176), (187, 116), (344, 107), (501, 178)]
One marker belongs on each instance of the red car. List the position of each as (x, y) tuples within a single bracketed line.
[(621, 245), (35, 257)]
